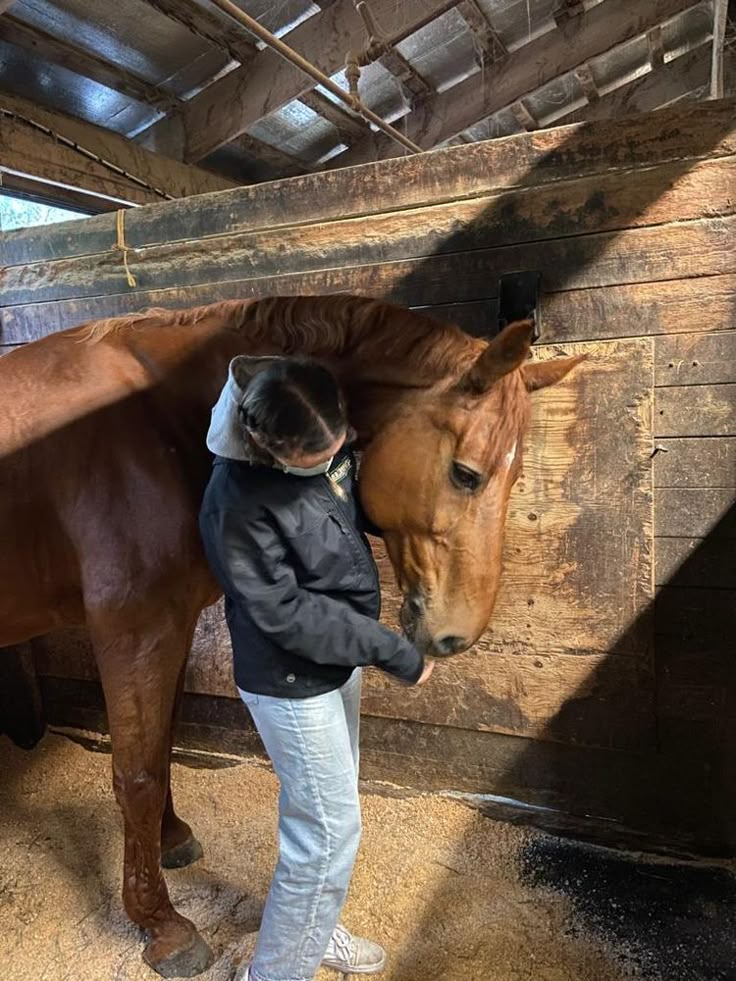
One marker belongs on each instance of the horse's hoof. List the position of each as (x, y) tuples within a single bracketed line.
[(182, 854), (186, 963)]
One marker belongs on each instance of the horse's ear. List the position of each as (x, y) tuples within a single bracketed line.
[(540, 374), (507, 351), (245, 367)]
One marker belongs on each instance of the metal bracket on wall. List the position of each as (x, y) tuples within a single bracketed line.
[(519, 297)]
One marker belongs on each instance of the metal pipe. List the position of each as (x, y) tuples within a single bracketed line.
[(308, 68)]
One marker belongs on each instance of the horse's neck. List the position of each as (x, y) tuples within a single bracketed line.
[(367, 341)]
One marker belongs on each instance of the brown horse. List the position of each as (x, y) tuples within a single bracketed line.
[(103, 464)]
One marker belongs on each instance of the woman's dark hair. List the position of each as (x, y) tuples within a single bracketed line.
[(294, 405)]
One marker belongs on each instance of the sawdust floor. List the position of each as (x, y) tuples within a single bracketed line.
[(438, 884)]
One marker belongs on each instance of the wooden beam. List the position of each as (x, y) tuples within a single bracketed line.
[(523, 117), (414, 87), (350, 128), (584, 75), (47, 156), (540, 61), (720, 16), (482, 30), (283, 164), (58, 52), (56, 196), (205, 24), (567, 10), (230, 105), (655, 41), (679, 79)]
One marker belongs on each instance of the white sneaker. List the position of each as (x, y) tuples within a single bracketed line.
[(353, 955)]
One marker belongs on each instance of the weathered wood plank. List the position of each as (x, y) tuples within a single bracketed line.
[(27, 151), (451, 174), (238, 44), (690, 512), (697, 618), (571, 315), (637, 796), (610, 202), (698, 410), (707, 462), (595, 700), (230, 105), (544, 58), (665, 252), (641, 309), (702, 563), (674, 80), (695, 359)]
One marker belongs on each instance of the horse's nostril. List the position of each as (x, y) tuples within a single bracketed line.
[(450, 644), (416, 605)]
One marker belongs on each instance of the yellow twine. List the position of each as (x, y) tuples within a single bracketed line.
[(120, 246)]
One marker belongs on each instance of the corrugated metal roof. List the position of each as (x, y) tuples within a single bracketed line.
[(139, 38)]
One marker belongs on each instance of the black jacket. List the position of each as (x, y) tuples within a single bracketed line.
[(301, 587)]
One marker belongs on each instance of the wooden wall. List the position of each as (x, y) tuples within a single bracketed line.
[(603, 694)]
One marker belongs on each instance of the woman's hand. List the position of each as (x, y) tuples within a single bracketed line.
[(428, 669)]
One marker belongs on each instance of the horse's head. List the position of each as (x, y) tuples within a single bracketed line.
[(437, 480)]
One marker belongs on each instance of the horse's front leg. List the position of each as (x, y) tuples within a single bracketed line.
[(179, 847), (140, 669)]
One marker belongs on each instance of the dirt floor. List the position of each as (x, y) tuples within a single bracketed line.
[(452, 895)]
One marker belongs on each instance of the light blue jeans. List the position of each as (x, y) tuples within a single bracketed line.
[(313, 745)]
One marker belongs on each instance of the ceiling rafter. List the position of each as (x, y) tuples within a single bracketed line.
[(350, 128), (526, 69), (230, 105), (235, 41), (57, 149), (482, 30), (205, 24), (84, 63), (282, 163)]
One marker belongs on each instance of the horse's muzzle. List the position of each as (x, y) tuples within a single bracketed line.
[(412, 620)]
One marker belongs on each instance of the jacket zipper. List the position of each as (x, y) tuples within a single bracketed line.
[(347, 527)]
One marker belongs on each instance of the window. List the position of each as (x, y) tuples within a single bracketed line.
[(21, 212)]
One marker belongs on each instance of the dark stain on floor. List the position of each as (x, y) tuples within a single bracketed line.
[(669, 921)]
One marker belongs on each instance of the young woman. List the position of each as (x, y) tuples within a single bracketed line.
[(283, 532)]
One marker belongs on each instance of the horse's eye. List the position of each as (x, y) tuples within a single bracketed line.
[(465, 478)]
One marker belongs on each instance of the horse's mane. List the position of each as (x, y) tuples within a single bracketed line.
[(335, 325)]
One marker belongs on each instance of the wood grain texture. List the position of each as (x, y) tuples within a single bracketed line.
[(451, 174), (698, 410), (696, 359), (631, 310), (707, 462), (664, 252), (695, 512), (26, 151)]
